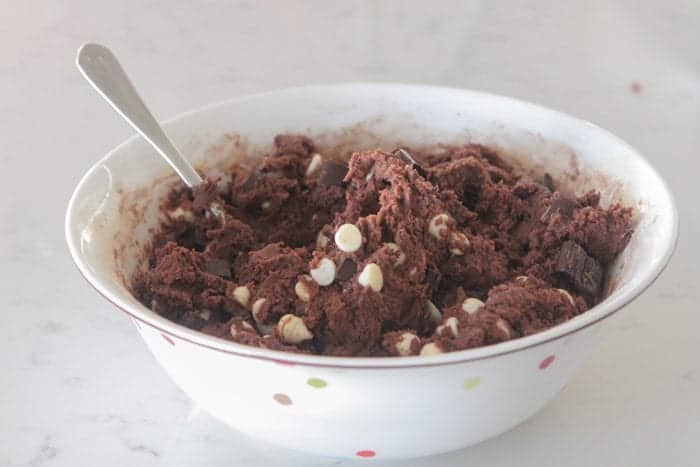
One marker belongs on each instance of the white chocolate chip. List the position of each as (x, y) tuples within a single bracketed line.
[(402, 256), (314, 164), (413, 271), (568, 296), (521, 279), (180, 214), (348, 238), (321, 240), (370, 174), (216, 209), (266, 205), (257, 308), (302, 290), (293, 329), (205, 315), (451, 324), (263, 328), (472, 305), (242, 295), (438, 225), (504, 327), (405, 342), (324, 273), (459, 243), (372, 277), (238, 327), (430, 348), (433, 311), (265, 342)]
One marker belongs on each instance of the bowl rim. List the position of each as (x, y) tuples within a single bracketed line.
[(604, 309)]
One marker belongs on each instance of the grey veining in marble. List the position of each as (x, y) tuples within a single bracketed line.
[(77, 387)]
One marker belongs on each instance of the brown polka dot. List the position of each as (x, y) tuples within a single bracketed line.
[(282, 399)]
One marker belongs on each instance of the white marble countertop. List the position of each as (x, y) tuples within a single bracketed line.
[(77, 387)]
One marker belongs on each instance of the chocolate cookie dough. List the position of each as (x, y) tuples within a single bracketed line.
[(401, 253)]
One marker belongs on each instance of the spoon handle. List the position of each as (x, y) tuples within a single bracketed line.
[(102, 69)]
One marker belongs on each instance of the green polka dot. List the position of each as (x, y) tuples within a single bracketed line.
[(316, 383), (471, 383)]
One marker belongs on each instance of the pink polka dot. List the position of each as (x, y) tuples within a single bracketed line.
[(167, 339), (365, 453), (546, 362), (635, 87)]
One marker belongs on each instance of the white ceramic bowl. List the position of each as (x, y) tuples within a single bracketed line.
[(368, 407)]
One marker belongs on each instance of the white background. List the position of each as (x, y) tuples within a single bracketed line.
[(77, 387)]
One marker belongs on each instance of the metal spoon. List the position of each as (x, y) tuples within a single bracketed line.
[(102, 69)]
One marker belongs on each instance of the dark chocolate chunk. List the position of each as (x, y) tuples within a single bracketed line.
[(250, 181), (192, 320), (548, 181), (332, 173), (200, 238), (577, 268), (408, 159), (432, 277), (536, 208), (561, 204), (564, 205), (219, 267), (346, 269)]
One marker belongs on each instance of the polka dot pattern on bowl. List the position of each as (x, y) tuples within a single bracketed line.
[(282, 399), (471, 383), (547, 362), (468, 384), (317, 383)]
